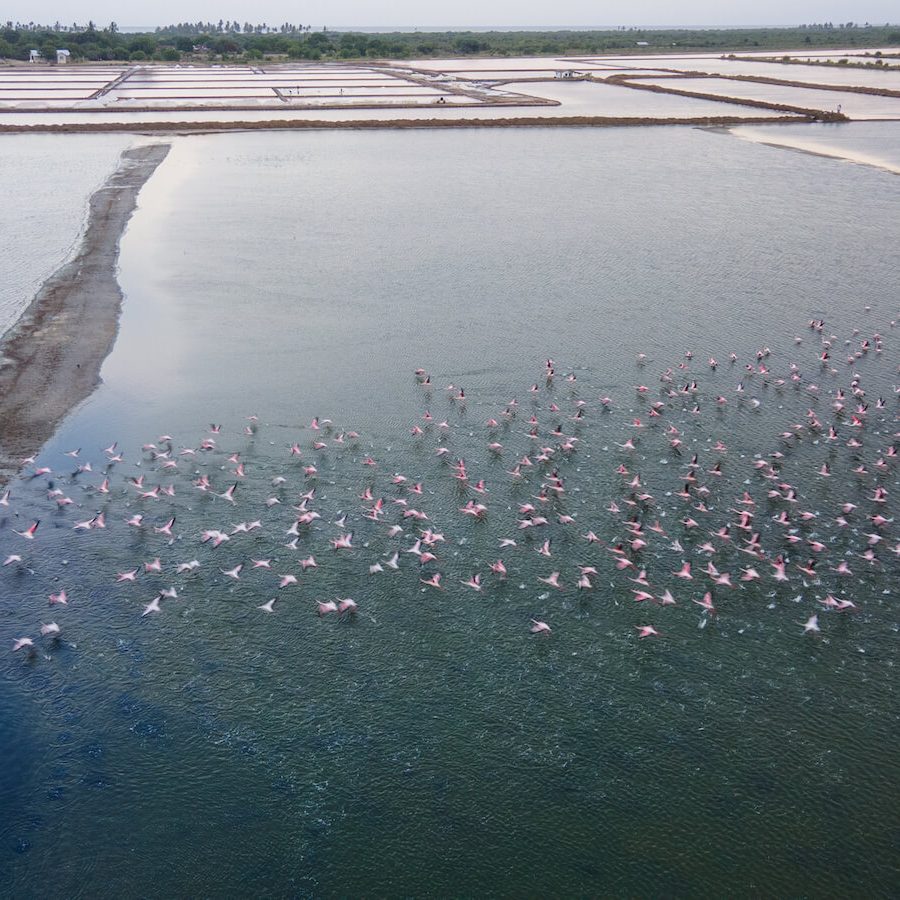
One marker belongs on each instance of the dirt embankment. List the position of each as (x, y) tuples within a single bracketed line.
[(367, 124)]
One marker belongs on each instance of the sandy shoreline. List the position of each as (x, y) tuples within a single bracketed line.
[(50, 359)]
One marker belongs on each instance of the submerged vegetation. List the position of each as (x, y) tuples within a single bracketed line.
[(246, 42)]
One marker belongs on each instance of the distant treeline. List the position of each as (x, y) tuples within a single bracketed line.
[(236, 42)]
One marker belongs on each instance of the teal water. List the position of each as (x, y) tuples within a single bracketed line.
[(430, 745)]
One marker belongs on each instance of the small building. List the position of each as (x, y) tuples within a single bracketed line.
[(642, 43), (566, 73), (34, 55), (62, 57)]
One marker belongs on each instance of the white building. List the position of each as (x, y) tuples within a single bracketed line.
[(62, 57), (34, 55)]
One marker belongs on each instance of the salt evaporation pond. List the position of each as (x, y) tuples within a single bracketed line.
[(591, 99), (856, 106), (431, 744), (576, 99), (839, 75)]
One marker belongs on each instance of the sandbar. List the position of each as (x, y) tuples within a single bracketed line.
[(50, 359)]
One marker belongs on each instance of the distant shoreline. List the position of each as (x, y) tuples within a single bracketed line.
[(50, 359)]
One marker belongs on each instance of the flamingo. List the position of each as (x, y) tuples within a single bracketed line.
[(29, 532), (811, 624)]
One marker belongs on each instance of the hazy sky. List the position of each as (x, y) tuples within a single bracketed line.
[(460, 12)]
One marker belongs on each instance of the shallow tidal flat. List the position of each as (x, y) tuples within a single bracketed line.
[(46, 183), (866, 143), (51, 357), (289, 276)]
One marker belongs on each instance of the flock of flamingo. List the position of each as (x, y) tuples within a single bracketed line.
[(687, 522)]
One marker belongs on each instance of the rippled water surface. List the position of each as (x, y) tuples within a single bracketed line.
[(430, 744)]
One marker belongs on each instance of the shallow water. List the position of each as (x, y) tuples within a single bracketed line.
[(589, 99), (433, 745), (575, 100), (874, 144), (364, 89), (804, 74), (811, 74), (45, 184), (856, 106)]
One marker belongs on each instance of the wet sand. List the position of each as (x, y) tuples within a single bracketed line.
[(50, 359)]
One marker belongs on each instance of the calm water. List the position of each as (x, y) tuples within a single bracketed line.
[(804, 74), (45, 183), (876, 144), (432, 745), (577, 99), (856, 106)]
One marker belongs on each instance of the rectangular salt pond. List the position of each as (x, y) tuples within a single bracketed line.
[(252, 84), (648, 105), (492, 75), (42, 94), (714, 65), (282, 78), (166, 82), (270, 93), (802, 74), (580, 98), (857, 106), (549, 63)]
